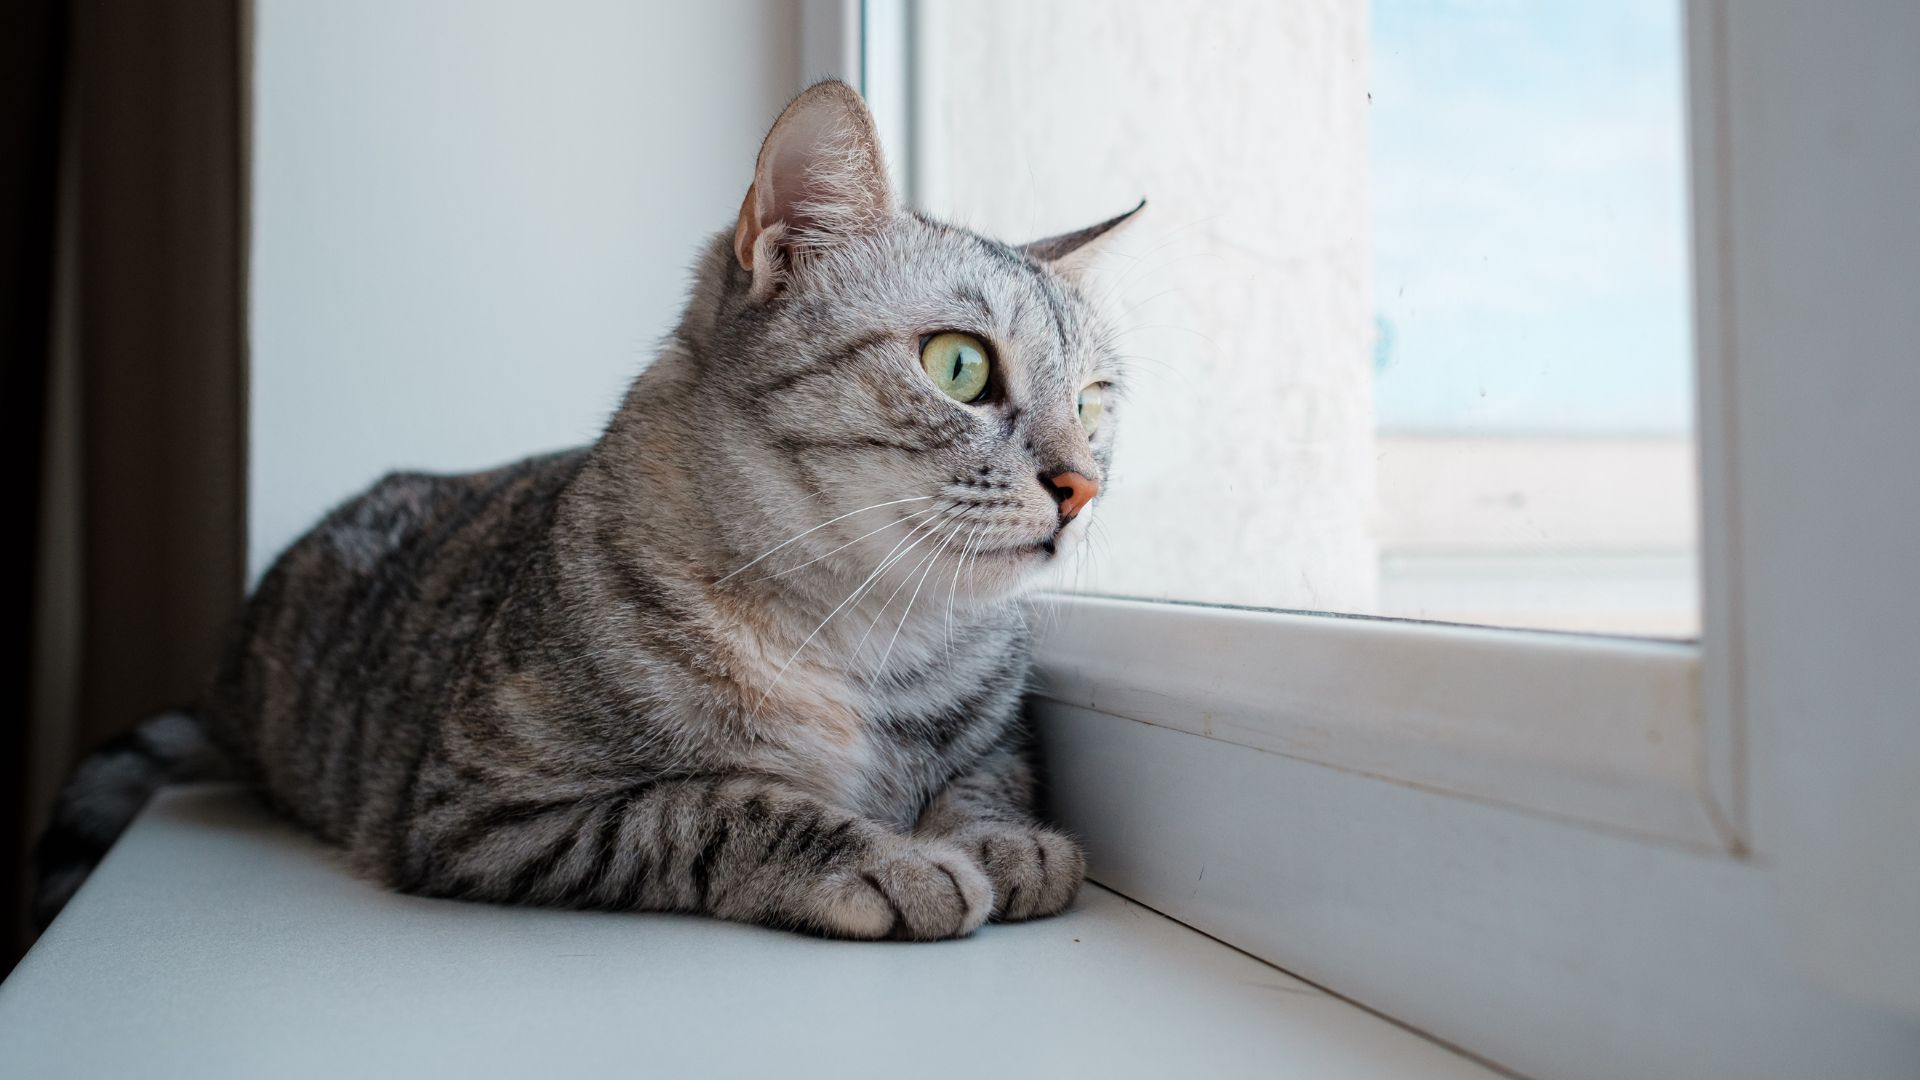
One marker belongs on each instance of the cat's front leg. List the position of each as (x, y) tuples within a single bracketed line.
[(989, 812), (741, 848)]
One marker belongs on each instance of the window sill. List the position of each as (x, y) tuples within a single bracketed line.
[(217, 941), (1605, 733)]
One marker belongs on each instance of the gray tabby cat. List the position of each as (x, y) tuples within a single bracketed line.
[(754, 653)]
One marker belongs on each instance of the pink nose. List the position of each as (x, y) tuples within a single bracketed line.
[(1073, 492)]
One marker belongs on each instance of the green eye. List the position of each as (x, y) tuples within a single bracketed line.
[(957, 363), (1091, 407)]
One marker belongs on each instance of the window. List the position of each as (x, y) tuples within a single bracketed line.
[(1575, 854), (1335, 310), (1408, 314)]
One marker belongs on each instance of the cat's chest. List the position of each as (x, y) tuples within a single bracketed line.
[(903, 736), (913, 744)]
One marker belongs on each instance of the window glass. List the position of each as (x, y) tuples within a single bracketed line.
[(1407, 313)]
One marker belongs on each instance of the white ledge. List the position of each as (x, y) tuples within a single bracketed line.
[(216, 941), (1604, 732)]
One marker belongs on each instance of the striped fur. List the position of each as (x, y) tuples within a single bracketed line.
[(754, 653)]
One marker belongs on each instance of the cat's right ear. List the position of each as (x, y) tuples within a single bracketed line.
[(819, 179)]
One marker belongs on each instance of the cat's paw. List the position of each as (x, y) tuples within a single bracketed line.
[(1035, 871), (913, 889)]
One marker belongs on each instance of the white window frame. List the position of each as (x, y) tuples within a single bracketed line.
[(1578, 855)]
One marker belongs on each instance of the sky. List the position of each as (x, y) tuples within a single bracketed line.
[(1529, 216)]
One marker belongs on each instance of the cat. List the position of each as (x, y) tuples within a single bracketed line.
[(755, 653)]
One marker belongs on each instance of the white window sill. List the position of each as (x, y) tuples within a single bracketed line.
[(1603, 732), (217, 941)]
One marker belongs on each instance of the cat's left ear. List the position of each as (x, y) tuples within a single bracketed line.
[(1070, 254), (820, 178)]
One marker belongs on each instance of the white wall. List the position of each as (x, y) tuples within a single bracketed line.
[(1243, 470), (472, 222)]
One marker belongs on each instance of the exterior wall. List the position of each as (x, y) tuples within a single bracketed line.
[(1245, 470)]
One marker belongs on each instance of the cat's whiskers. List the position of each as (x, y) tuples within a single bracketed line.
[(854, 653), (958, 565), (850, 543), (867, 588), (1097, 531), (882, 666), (1083, 565), (859, 590), (977, 550), (817, 528)]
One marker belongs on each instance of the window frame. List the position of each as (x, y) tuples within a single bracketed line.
[(1720, 899), (1495, 722), (1601, 732)]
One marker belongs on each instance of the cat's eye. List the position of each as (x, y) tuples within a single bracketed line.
[(957, 364), (1092, 405)]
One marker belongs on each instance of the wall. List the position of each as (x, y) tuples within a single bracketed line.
[(472, 221), (1243, 469)]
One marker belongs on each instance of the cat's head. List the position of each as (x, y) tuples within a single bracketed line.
[(938, 404)]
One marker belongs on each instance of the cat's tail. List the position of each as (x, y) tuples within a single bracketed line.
[(104, 793)]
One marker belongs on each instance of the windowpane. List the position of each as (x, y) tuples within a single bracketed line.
[(1407, 314)]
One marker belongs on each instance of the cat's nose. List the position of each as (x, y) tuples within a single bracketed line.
[(1072, 491)]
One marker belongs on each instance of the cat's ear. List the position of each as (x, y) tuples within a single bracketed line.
[(1071, 253), (820, 178)]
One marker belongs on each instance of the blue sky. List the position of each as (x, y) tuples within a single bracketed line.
[(1529, 216)]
